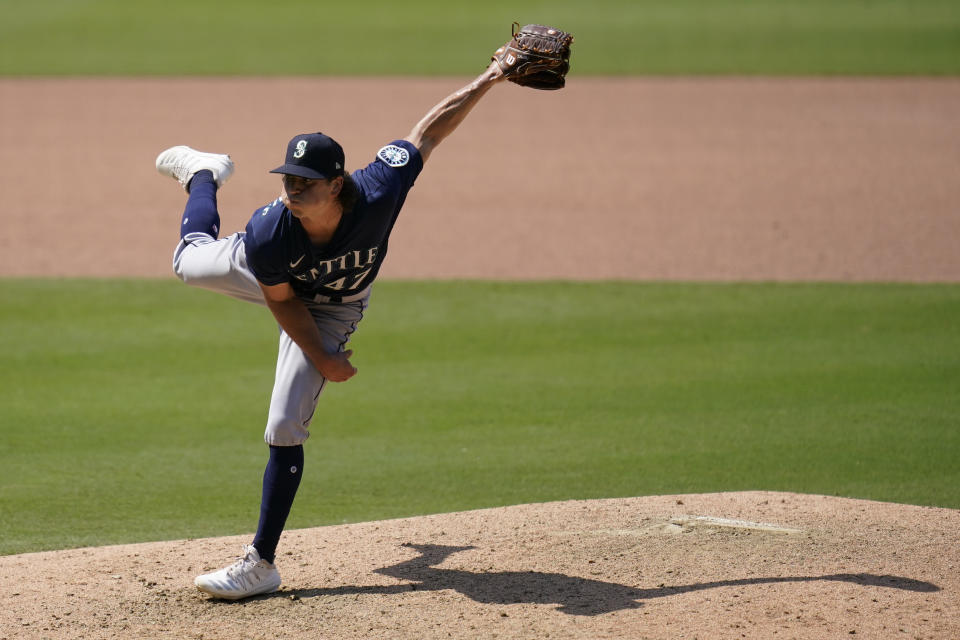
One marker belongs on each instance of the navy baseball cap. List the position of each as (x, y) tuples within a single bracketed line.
[(313, 155)]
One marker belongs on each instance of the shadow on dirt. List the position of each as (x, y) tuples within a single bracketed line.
[(575, 596)]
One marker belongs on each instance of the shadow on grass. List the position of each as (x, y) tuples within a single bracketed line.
[(575, 596)]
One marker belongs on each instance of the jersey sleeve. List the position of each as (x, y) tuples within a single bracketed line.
[(263, 258), (392, 173)]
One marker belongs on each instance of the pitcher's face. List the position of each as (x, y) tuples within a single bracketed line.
[(306, 196)]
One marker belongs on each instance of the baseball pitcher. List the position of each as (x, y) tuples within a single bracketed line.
[(311, 257)]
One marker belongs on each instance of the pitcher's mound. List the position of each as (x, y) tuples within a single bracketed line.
[(731, 565)]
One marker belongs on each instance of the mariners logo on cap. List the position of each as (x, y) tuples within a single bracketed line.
[(301, 149), (393, 155)]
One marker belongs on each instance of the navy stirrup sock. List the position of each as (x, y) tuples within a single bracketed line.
[(200, 215), (281, 479)]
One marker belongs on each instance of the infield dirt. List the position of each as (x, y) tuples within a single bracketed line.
[(718, 179), (690, 179)]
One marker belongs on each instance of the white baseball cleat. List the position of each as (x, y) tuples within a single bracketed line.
[(248, 576), (182, 163)]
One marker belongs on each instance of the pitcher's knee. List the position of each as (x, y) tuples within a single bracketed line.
[(194, 262), (285, 432), (205, 276)]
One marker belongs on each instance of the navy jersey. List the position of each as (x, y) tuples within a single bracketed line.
[(279, 250)]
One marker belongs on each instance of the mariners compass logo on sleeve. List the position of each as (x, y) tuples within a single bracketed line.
[(393, 155)]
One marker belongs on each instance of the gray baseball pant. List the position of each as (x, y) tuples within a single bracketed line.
[(221, 266)]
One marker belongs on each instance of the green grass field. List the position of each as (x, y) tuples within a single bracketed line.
[(293, 37), (133, 410)]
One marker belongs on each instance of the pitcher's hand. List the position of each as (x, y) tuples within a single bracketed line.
[(336, 367)]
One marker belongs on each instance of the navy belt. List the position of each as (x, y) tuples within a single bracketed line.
[(340, 299)]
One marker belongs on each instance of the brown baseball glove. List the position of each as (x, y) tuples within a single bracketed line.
[(537, 56)]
